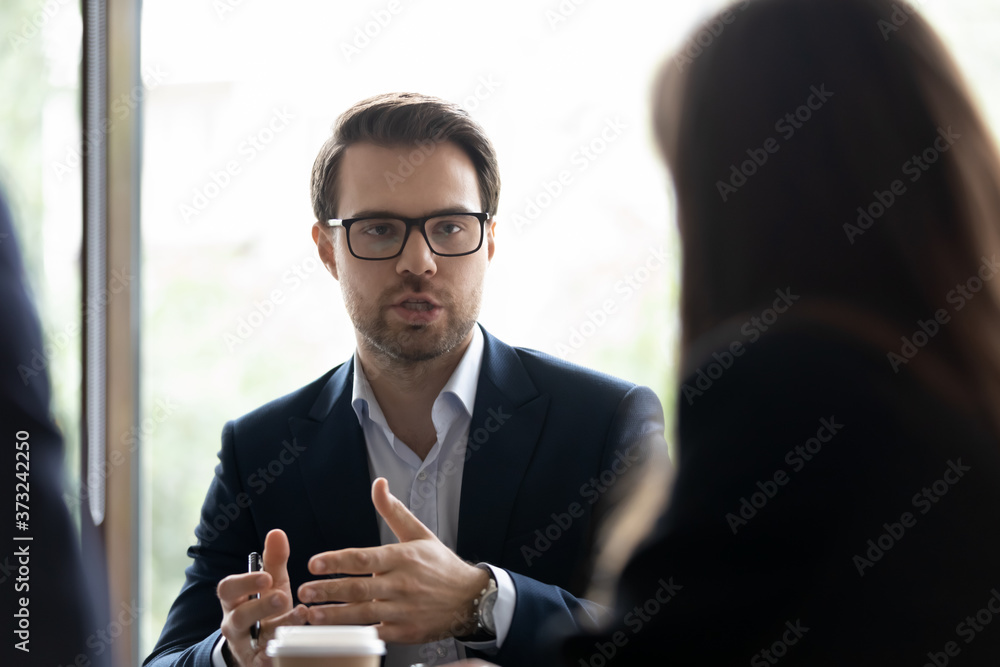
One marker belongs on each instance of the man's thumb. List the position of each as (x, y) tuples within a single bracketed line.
[(400, 520), (276, 552)]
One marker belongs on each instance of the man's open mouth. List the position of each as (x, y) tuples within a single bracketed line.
[(411, 304)]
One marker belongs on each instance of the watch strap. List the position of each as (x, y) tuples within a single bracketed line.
[(483, 609)]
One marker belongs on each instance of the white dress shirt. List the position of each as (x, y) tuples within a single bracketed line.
[(430, 488)]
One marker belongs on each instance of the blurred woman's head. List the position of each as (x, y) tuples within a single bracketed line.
[(830, 147)]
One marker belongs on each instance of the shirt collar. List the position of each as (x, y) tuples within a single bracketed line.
[(462, 384), (464, 380)]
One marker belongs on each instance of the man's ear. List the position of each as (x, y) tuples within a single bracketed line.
[(490, 231), (324, 244)]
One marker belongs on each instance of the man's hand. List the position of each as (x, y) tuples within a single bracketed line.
[(274, 607), (419, 591)]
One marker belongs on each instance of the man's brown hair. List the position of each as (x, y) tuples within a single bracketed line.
[(395, 119)]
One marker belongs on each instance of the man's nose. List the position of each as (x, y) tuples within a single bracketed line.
[(417, 257)]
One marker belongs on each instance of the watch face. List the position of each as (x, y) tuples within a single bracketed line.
[(487, 613)]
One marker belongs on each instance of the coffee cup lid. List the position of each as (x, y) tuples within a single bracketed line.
[(296, 640)]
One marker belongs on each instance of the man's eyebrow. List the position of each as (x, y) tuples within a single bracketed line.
[(382, 213)]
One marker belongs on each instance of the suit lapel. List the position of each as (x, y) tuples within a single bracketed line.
[(506, 422), (335, 466)]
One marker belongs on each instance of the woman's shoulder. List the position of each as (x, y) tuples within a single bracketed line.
[(803, 386)]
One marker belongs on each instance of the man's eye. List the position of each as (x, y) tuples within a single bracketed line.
[(378, 229), (448, 227)]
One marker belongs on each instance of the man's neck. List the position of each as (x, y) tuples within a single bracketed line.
[(406, 391)]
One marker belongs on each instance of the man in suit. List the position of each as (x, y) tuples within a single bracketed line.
[(492, 466)]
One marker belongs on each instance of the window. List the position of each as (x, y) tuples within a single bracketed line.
[(40, 174)]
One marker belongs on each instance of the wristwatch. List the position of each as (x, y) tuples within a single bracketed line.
[(482, 606)]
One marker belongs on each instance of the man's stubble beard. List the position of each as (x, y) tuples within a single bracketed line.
[(409, 345)]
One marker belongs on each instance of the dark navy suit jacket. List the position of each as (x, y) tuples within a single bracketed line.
[(543, 431)]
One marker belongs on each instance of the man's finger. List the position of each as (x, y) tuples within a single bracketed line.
[(360, 560), (348, 589), (236, 626), (271, 603), (297, 616), (400, 520), (355, 613), (234, 589), (276, 552)]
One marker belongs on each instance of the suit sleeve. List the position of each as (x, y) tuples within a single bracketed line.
[(545, 613), (225, 535)]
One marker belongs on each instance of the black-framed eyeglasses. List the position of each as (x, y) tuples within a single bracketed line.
[(447, 234)]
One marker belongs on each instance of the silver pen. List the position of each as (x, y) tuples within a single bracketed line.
[(255, 565)]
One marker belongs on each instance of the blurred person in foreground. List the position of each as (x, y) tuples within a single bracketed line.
[(467, 476), (52, 600), (839, 412)]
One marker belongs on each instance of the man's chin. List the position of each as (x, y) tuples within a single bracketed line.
[(408, 342), (414, 343)]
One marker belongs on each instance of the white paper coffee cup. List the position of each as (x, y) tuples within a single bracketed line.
[(326, 645)]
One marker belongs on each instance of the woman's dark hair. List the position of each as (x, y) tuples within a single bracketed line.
[(831, 148)]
